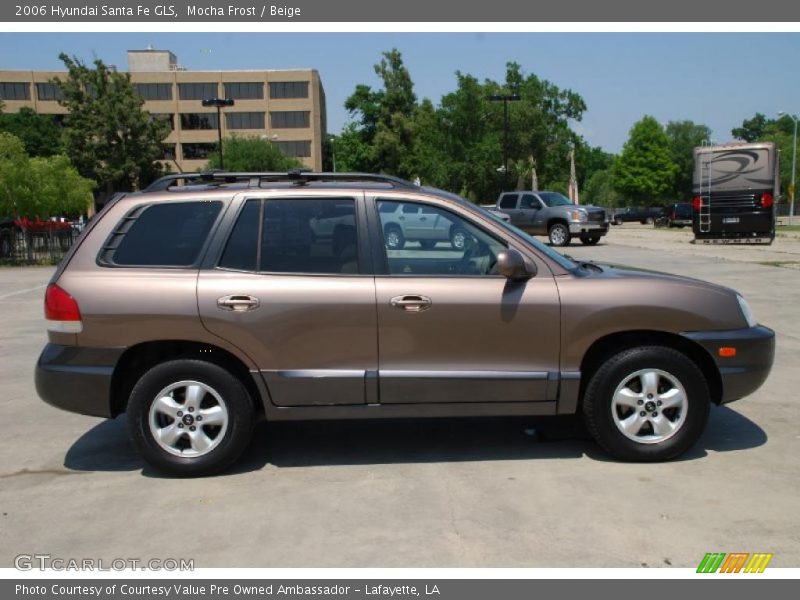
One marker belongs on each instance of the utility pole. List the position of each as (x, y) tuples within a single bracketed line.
[(219, 103)]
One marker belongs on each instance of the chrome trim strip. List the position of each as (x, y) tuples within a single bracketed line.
[(419, 374), (317, 373)]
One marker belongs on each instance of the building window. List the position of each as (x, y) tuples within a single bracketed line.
[(154, 91), (169, 152), (198, 121), (49, 91), (15, 91), (168, 117), (197, 91), (288, 89), (289, 119), (296, 149), (245, 90), (245, 120), (198, 151)]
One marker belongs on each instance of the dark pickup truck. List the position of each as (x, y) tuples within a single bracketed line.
[(637, 214)]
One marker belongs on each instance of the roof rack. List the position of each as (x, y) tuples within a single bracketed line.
[(255, 180)]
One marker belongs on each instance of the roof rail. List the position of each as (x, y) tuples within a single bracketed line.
[(256, 179)]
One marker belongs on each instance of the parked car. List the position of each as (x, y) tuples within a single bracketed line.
[(203, 304), (679, 215), (631, 214), (418, 223), (554, 215)]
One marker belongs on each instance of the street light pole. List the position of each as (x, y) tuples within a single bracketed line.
[(505, 99), (794, 164), (219, 103)]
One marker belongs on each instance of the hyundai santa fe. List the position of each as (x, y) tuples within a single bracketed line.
[(210, 301)]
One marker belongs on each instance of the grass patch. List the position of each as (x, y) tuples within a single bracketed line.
[(787, 228), (787, 264)]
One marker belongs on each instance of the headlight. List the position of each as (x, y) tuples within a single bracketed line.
[(746, 312), (578, 215)]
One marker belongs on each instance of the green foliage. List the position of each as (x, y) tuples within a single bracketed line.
[(40, 133), (39, 186), (644, 173), (599, 190), (107, 135), (684, 136), (780, 131), (243, 153)]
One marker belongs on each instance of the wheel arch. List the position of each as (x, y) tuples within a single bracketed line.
[(611, 344), (138, 359)]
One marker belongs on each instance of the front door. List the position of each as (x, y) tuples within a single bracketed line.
[(290, 289), (452, 330)]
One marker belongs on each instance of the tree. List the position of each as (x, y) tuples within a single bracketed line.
[(40, 134), (251, 154), (599, 190), (684, 136), (39, 186), (752, 129), (107, 135), (645, 172)]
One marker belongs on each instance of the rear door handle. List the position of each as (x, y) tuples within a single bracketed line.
[(411, 303), (238, 302)]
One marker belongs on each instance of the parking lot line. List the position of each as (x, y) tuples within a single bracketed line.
[(20, 292)]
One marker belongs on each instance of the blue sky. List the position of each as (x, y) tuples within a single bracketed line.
[(715, 78)]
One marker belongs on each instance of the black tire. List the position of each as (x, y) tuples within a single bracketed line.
[(458, 238), (427, 244), (617, 221), (597, 403), (240, 415), (394, 238), (590, 241), (559, 235), (5, 243)]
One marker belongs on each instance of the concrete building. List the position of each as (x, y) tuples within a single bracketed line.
[(286, 107)]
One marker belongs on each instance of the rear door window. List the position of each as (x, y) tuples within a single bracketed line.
[(162, 235), (509, 201)]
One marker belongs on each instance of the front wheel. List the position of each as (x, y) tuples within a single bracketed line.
[(395, 240), (458, 238), (559, 234), (590, 241), (190, 417), (649, 403)]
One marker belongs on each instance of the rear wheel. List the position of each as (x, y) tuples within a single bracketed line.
[(559, 235), (649, 403), (458, 238), (190, 417), (589, 241), (395, 240)]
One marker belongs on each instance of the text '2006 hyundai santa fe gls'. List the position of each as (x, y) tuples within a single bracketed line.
[(209, 301)]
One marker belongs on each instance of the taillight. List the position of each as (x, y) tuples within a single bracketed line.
[(61, 311), (766, 200), (697, 202)]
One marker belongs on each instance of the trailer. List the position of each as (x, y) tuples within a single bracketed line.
[(735, 187)]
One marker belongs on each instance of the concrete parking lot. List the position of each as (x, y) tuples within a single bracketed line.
[(449, 493)]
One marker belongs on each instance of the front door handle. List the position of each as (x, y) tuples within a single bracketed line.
[(411, 303), (238, 302)]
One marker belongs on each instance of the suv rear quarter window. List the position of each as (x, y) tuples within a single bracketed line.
[(161, 235)]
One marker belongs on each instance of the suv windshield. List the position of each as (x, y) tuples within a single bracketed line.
[(554, 199), (543, 248)]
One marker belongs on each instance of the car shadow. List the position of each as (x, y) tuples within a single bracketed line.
[(106, 447)]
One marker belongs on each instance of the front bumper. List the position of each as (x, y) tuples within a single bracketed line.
[(744, 373), (588, 228), (77, 379)]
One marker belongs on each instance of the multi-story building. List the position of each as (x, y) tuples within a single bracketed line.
[(286, 107)]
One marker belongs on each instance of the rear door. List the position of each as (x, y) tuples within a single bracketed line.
[(292, 287), (451, 330)]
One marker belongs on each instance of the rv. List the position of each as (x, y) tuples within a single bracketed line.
[(735, 189)]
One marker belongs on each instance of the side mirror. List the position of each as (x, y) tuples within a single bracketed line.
[(513, 266)]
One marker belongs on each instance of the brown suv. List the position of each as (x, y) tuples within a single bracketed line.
[(209, 301)]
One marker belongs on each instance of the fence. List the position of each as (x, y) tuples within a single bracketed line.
[(35, 247)]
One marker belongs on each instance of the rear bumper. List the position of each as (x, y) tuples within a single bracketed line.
[(744, 373), (77, 379)]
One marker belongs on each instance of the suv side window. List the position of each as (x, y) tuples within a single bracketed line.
[(302, 235), (509, 201), (449, 245), (529, 201), (161, 235)]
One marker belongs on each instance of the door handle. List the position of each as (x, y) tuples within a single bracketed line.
[(238, 302), (411, 303)]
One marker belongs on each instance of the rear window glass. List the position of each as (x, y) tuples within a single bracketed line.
[(167, 235), (508, 201)]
